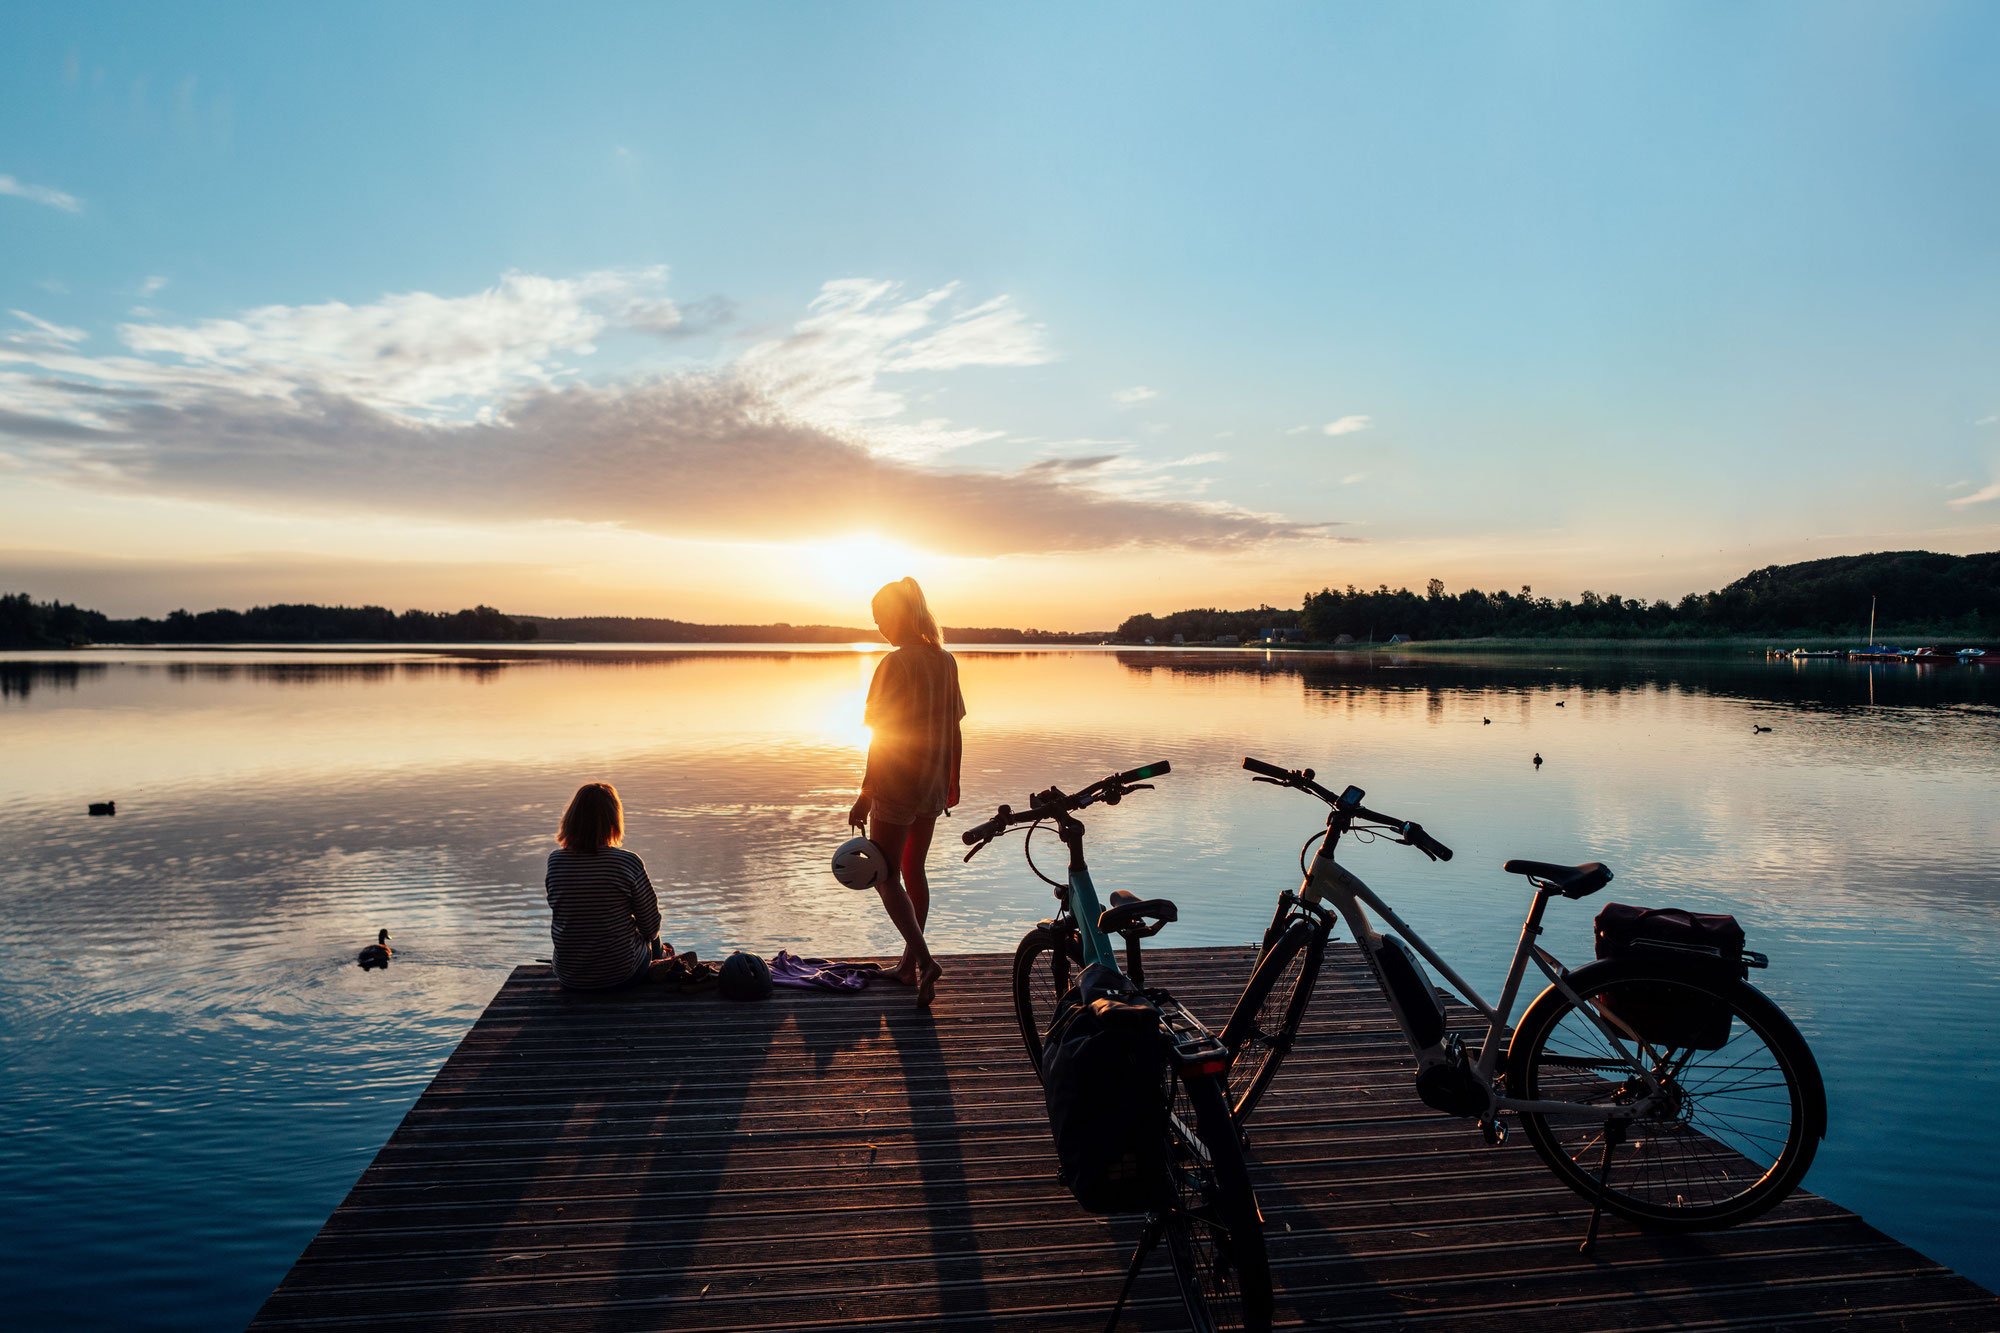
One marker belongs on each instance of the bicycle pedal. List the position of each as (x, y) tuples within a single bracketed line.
[(1494, 1131)]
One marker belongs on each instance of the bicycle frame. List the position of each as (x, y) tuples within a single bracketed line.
[(1193, 1045), (1329, 882)]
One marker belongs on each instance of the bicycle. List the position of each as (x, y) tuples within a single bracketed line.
[(1669, 1049), (1210, 1222)]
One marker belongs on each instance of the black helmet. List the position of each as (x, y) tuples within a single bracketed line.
[(745, 976)]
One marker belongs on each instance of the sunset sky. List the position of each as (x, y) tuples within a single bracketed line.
[(733, 312)]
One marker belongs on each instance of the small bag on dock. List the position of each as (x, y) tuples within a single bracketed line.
[(1663, 1015), (1105, 1082)]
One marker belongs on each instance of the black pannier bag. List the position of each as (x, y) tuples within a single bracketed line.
[(1670, 1016), (1104, 1078)]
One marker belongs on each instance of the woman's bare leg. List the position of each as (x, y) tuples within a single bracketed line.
[(916, 959), (915, 882)]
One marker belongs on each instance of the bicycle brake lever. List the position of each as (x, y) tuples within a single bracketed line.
[(1273, 781)]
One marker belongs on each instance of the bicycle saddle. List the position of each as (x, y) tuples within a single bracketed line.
[(1570, 881), (1127, 911)]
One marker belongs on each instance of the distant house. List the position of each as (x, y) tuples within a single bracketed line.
[(1342, 640), (1149, 641), (1227, 640), (1284, 636), (1179, 639), (1399, 638)]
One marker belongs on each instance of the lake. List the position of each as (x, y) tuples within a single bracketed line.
[(197, 1071)]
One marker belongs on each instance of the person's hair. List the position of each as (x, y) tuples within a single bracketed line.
[(903, 614), (594, 820)]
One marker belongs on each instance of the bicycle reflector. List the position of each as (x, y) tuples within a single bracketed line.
[(1212, 1067)]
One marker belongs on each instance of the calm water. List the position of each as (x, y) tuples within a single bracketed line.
[(197, 1072)]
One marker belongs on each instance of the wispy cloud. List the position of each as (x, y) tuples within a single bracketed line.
[(1978, 497), (40, 333), (1347, 425), (1354, 479), (40, 194), (830, 369), (409, 353), (1987, 421), (1138, 393), (152, 286), (473, 407)]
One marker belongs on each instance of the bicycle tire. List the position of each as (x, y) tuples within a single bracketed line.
[(1269, 1013), (1748, 1119), (1213, 1229), (1043, 968)]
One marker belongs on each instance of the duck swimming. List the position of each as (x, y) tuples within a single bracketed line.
[(376, 954), (1538, 760)]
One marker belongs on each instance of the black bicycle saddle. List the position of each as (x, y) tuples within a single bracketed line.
[(1570, 881)]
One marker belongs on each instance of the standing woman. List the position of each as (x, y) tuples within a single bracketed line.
[(912, 776)]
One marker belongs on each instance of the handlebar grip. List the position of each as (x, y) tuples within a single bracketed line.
[(978, 833), (1132, 775), (1425, 842), (1258, 766)]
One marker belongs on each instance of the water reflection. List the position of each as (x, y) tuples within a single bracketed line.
[(182, 1010)]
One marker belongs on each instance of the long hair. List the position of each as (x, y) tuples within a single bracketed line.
[(595, 819), (904, 615)]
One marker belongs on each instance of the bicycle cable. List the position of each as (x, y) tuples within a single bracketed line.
[(1028, 849), (1305, 847)]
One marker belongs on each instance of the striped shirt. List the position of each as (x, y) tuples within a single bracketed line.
[(604, 916)]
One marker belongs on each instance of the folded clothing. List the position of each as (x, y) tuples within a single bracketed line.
[(788, 969)]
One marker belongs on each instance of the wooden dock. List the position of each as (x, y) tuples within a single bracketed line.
[(842, 1161)]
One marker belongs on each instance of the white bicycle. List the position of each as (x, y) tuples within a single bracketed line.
[(1666, 1050)]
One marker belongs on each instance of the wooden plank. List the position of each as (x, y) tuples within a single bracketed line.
[(843, 1161)]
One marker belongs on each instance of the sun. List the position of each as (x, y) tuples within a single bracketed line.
[(848, 571)]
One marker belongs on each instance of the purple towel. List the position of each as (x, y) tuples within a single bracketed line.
[(788, 969)]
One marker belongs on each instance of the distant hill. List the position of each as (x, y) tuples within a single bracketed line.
[(1916, 591), (25, 623), (1910, 588)]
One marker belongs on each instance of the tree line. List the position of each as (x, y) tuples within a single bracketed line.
[(1913, 589), (26, 623)]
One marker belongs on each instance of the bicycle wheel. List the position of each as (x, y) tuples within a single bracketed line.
[(1044, 964), (1742, 1121), (1214, 1233), (1268, 1014)]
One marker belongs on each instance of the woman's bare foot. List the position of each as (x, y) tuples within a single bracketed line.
[(927, 984), (902, 973)]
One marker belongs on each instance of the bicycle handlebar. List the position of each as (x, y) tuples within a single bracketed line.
[(1411, 832), (1054, 801)]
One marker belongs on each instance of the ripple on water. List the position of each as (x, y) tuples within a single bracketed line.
[(198, 1072)]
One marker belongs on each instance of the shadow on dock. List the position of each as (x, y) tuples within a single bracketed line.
[(843, 1161)]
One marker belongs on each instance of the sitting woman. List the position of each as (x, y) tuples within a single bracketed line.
[(606, 921)]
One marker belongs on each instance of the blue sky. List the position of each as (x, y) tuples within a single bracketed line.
[(1074, 311)]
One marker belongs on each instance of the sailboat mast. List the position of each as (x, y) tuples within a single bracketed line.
[(1871, 622)]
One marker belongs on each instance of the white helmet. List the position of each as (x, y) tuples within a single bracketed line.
[(859, 864)]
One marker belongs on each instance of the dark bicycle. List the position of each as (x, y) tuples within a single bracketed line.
[(1209, 1217), (1664, 1048)]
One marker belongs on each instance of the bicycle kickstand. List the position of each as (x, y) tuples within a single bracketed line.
[(1614, 1134), (1147, 1239)]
